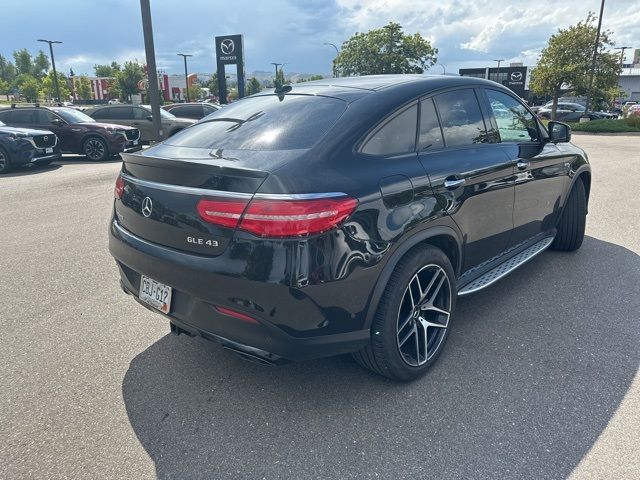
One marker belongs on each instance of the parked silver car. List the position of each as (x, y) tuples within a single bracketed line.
[(139, 116)]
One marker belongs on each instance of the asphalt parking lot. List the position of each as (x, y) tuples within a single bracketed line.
[(539, 379)]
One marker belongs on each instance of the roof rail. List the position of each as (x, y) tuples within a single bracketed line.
[(25, 104)]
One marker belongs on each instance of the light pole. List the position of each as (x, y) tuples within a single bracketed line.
[(444, 70), (585, 116), (500, 60), (186, 77), (276, 79), (53, 65), (152, 72), (335, 73), (622, 49)]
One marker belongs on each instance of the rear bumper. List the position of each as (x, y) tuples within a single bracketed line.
[(289, 322)]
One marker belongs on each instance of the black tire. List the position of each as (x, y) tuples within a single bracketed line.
[(384, 354), (95, 149), (5, 161), (572, 221)]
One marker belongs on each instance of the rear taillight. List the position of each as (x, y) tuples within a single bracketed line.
[(278, 218), (119, 188)]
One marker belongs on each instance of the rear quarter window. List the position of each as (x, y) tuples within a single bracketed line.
[(268, 122)]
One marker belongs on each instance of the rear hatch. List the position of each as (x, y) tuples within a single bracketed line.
[(160, 195), (225, 157)]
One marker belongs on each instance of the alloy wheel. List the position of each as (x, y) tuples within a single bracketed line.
[(94, 149), (423, 316)]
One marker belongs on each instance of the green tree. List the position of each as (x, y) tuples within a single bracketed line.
[(7, 70), (107, 70), (566, 62), (212, 85), (384, 50), (23, 61), (128, 78), (28, 86), (48, 87), (5, 88), (40, 65), (280, 80), (83, 87), (114, 89), (195, 92), (253, 86)]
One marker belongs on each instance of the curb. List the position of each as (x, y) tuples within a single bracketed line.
[(608, 134)]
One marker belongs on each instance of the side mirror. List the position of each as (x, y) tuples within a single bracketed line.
[(559, 132), (149, 117), (57, 122)]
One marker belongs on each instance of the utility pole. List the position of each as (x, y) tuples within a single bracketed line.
[(53, 65), (335, 72), (152, 74), (593, 66), (186, 77)]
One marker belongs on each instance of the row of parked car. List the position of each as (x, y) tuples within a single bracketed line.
[(570, 112), (36, 134)]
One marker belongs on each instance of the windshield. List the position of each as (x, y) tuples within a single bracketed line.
[(268, 122), (73, 116)]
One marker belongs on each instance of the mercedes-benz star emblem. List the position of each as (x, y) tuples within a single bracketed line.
[(147, 207), (516, 76), (227, 46)]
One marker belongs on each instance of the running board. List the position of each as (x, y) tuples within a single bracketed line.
[(505, 268)]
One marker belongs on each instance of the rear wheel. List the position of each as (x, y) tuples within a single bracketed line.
[(95, 149), (413, 319), (572, 221), (5, 163)]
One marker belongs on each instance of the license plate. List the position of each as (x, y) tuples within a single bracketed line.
[(156, 294), (48, 150)]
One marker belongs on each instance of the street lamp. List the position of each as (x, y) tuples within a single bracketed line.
[(500, 60), (585, 116), (622, 49), (444, 70), (335, 73), (53, 64), (186, 77), (276, 65)]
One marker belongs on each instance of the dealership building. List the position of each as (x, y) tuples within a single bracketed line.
[(515, 77)]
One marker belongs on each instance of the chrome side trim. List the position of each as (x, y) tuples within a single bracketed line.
[(187, 190), (506, 268), (219, 193)]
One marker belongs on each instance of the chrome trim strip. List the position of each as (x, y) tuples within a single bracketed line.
[(219, 193), (504, 269), (298, 196), (32, 142), (180, 189)]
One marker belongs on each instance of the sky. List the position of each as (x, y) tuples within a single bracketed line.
[(468, 33)]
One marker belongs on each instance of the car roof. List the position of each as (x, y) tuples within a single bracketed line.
[(352, 88)]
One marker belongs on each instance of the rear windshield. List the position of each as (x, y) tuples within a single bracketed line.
[(268, 122)]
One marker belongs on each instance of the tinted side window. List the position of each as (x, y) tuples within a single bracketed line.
[(23, 117), (208, 109), (461, 120), (430, 133), (515, 123), (45, 117), (123, 113), (398, 135), (102, 114), (137, 113)]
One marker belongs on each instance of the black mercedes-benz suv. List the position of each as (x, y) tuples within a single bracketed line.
[(345, 215)]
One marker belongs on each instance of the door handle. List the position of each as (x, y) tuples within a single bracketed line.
[(522, 165), (453, 183)]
